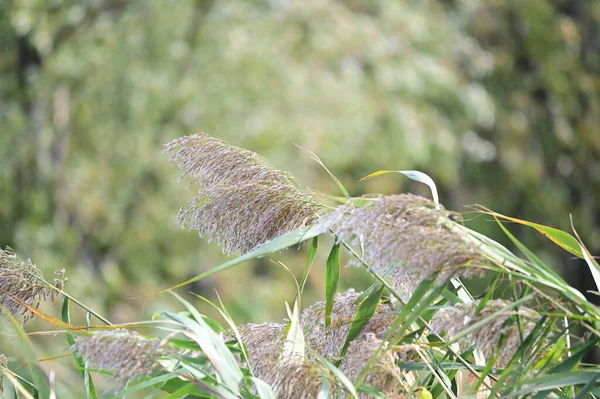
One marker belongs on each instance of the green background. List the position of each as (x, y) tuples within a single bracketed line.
[(498, 101)]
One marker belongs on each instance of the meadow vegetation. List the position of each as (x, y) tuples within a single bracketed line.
[(415, 332)]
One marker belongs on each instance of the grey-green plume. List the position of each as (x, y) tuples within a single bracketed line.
[(22, 283), (242, 202)]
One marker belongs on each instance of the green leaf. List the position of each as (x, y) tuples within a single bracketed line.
[(332, 276), (335, 179), (589, 259), (90, 390), (363, 315), (342, 378), (312, 253), (212, 345), (39, 378), (553, 381), (277, 244)]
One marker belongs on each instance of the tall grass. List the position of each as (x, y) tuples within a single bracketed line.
[(416, 332)]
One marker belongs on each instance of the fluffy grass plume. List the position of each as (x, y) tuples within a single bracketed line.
[(500, 333), (330, 340), (21, 282), (408, 233), (127, 354), (242, 202)]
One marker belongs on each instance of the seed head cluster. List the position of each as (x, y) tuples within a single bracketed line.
[(264, 343), (128, 354), (330, 340), (408, 233), (242, 202), (21, 282), (501, 333)]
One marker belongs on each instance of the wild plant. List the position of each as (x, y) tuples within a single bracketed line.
[(416, 332)]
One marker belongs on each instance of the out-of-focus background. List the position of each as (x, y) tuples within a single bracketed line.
[(498, 101)]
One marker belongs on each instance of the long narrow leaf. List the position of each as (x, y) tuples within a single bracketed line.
[(332, 276), (363, 315), (589, 259), (212, 345), (90, 390), (559, 237), (277, 244), (312, 253)]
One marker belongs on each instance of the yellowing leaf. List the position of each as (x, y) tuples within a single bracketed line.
[(559, 237)]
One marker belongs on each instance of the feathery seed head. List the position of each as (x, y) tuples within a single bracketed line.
[(497, 332), (329, 341), (383, 373), (242, 202), (264, 343), (127, 353), (21, 282), (409, 233), (210, 161), (288, 378), (300, 381)]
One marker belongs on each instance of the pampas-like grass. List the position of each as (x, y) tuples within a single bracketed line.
[(409, 233), (383, 373), (242, 202), (329, 341), (128, 354), (21, 282), (496, 334), (265, 341)]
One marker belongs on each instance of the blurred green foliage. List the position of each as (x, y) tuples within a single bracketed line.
[(498, 101)]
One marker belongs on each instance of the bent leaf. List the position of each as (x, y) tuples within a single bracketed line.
[(589, 259), (413, 175), (561, 238)]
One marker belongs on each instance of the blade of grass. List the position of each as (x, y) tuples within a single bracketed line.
[(90, 390), (335, 179), (37, 375), (342, 378), (559, 237), (212, 345), (277, 244), (589, 259), (363, 315), (19, 389), (312, 253), (559, 380), (332, 276)]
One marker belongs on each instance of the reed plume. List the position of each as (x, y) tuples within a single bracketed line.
[(128, 354), (22, 283), (408, 234), (330, 340), (242, 202), (383, 373), (499, 334)]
